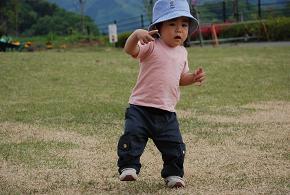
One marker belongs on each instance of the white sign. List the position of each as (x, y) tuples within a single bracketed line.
[(113, 36)]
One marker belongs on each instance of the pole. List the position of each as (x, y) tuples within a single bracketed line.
[(214, 36), (151, 10), (149, 6), (236, 10), (142, 21), (115, 44), (224, 11), (259, 10), (199, 30), (82, 6)]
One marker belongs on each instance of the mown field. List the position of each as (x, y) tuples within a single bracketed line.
[(62, 112)]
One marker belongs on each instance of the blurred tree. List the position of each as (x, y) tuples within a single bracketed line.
[(42, 7), (15, 4), (38, 17), (3, 17)]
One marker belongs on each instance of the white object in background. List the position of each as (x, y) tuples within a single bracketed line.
[(113, 36)]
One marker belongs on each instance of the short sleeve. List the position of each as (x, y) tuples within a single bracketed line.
[(145, 50), (186, 66)]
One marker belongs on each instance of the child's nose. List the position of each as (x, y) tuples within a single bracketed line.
[(178, 28)]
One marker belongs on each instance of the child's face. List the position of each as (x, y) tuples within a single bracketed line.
[(174, 32)]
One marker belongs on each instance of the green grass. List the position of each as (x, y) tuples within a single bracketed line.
[(62, 112), (36, 153), (57, 88), (240, 75), (85, 87)]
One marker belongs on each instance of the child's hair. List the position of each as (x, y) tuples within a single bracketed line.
[(157, 27)]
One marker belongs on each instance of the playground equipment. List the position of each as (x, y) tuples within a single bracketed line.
[(209, 33), (7, 44)]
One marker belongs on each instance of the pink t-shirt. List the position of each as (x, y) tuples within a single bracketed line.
[(161, 67)]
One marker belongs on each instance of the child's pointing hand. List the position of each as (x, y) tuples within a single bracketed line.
[(145, 36)]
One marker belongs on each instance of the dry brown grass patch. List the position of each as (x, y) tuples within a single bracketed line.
[(93, 162), (265, 112), (251, 159)]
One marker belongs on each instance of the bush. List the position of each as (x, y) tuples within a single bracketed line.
[(253, 29), (279, 29), (122, 38), (276, 29)]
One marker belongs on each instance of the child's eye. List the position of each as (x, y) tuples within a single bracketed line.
[(171, 24), (184, 25)]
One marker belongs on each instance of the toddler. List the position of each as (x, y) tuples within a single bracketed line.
[(151, 112)]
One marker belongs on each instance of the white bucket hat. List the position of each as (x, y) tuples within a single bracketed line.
[(164, 10)]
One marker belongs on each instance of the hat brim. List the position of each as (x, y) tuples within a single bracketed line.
[(193, 23)]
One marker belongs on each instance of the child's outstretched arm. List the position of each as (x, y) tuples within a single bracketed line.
[(144, 36), (189, 78)]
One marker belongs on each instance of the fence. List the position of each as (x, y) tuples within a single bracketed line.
[(126, 25), (213, 13)]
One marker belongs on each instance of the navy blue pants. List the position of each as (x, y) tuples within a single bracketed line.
[(162, 127)]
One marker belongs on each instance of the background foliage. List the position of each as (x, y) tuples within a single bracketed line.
[(276, 29), (30, 17)]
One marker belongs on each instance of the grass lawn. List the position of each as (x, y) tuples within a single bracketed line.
[(62, 112)]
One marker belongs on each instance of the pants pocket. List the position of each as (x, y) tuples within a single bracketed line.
[(124, 143)]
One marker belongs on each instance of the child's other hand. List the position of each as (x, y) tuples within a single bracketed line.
[(145, 36), (198, 76)]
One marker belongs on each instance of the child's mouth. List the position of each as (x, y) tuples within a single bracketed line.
[(177, 37)]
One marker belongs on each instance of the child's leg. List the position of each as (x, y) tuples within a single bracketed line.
[(132, 143), (169, 142)]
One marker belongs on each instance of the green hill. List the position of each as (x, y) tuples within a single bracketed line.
[(105, 11)]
